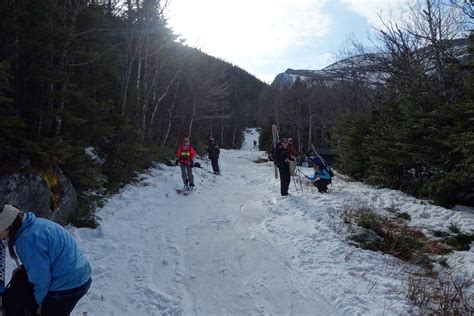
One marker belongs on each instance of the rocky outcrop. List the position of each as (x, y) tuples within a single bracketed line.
[(67, 200), (369, 68), (28, 191), (44, 191)]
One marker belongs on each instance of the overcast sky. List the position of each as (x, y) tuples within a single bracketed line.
[(265, 37)]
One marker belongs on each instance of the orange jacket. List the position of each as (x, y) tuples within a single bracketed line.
[(186, 154)]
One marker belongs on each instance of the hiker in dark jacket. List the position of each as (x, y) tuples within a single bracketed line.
[(213, 152), (282, 161)]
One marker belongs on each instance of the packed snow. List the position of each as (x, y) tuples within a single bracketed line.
[(234, 246)]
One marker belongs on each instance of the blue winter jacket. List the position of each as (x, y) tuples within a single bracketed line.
[(51, 257), (323, 174)]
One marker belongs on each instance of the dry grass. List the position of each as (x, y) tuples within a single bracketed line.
[(442, 293), (397, 238), (446, 294)]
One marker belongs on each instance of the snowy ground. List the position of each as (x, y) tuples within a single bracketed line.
[(235, 247)]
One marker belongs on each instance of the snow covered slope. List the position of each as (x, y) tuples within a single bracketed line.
[(235, 247), (367, 68)]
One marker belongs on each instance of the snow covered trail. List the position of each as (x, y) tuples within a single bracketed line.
[(235, 247)]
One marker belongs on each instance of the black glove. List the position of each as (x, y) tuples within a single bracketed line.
[(176, 162)]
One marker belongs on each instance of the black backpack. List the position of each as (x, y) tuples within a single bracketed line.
[(329, 170), (18, 298)]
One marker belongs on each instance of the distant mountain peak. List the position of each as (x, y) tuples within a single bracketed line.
[(368, 68)]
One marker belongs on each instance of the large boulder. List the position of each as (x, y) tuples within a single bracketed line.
[(67, 199), (26, 190), (44, 191)]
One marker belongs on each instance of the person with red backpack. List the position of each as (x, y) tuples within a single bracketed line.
[(186, 154), (293, 151)]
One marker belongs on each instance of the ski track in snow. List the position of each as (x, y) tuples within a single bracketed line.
[(235, 247)]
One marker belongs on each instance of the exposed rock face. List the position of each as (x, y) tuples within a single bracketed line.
[(47, 193), (28, 191), (367, 68), (67, 200)]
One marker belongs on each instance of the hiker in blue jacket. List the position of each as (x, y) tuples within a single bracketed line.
[(60, 274), (320, 179)]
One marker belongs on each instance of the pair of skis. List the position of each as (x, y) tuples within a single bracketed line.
[(185, 191), (276, 139)]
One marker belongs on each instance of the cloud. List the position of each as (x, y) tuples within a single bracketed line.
[(371, 9), (241, 29)]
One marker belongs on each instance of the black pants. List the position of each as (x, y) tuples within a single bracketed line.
[(284, 179), (322, 185), (215, 164), (61, 303)]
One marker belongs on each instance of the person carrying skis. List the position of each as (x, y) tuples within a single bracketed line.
[(59, 274), (213, 152), (321, 178), (293, 156), (186, 154), (282, 161)]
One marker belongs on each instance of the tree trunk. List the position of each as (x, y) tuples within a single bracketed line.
[(131, 55), (70, 13), (145, 104), (192, 119), (170, 114), (310, 125), (222, 129), (234, 134), (126, 79), (139, 71), (157, 103)]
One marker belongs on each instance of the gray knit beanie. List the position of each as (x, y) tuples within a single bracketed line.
[(7, 216)]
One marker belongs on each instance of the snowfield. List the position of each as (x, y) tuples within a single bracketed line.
[(236, 247)]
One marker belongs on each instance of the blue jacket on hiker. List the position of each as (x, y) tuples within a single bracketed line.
[(321, 174), (51, 257)]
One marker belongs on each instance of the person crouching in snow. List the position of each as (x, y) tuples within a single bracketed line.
[(320, 179), (60, 275)]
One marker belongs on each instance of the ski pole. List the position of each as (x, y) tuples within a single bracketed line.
[(299, 177), (198, 175), (294, 182), (174, 169)]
